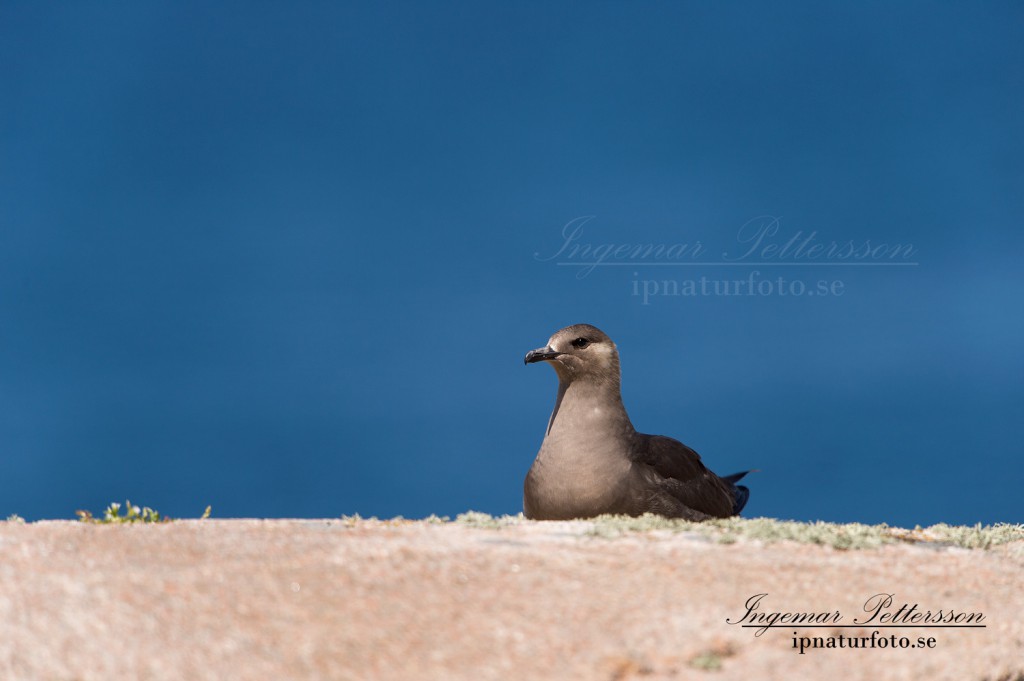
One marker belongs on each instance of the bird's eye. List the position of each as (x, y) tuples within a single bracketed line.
[(580, 343)]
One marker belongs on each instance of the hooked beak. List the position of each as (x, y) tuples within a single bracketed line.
[(540, 355)]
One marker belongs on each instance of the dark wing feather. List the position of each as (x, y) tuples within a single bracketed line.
[(681, 474)]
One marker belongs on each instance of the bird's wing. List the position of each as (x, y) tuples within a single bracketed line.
[(681, 473)]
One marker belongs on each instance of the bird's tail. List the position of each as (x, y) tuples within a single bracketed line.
[(740, 493)]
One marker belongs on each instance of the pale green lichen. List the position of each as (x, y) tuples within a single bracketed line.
[(968, 536), (842, 536), (355, 520), (836, 535), (477, 519)]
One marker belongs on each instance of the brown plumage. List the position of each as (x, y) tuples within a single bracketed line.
[(593, 461)]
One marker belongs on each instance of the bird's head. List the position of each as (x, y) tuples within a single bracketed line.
[(579, 352)]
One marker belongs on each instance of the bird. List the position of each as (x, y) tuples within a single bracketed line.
[(592, 460)]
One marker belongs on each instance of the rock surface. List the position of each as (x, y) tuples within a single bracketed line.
[(343, 599)]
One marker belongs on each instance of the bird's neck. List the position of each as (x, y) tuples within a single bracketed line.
[(596, 404)]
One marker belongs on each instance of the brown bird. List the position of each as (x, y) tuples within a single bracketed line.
[(593, 461)]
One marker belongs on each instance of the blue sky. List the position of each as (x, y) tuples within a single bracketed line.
[(286, 260)]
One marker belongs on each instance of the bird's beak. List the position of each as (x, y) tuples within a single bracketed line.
[(540, 355)]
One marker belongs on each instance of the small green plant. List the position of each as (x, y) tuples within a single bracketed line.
[(15, 518), (708, 661), (132, 514), (712, 659)]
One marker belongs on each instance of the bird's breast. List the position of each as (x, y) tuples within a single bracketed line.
[(576, 479), (583, 467)]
